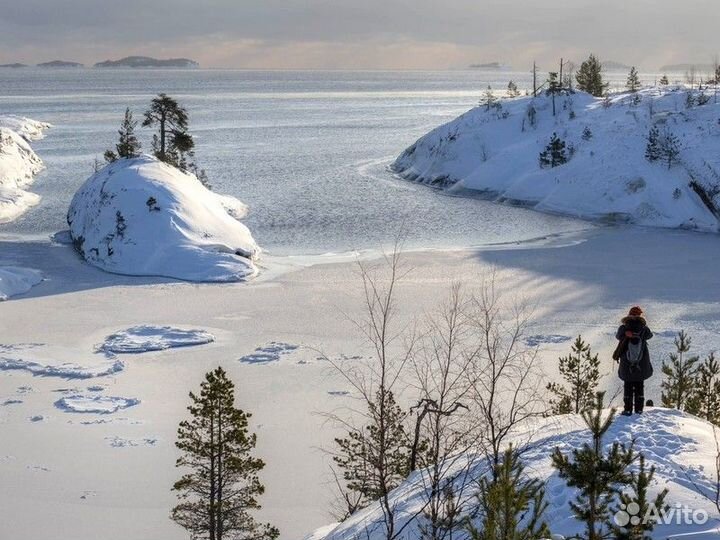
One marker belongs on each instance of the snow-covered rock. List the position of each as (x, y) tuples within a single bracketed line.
[(495, 153), (18, 166), (17, 280), (680, 446), (64, 370), (143, 217), (29, 129)]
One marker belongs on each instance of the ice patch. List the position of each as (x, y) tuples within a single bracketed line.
[(144, 338), (120, 442), (94, 404), (269, 353), (64, 370), (539, 339), (38, 418)]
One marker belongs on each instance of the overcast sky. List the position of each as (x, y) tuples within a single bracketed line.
[(359, 34)]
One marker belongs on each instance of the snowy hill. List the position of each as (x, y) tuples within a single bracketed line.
[(143, 217), (495, 154), (680, 446), (18, 165)]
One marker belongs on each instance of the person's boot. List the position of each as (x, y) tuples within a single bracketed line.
[(626, 413), (639, 402)]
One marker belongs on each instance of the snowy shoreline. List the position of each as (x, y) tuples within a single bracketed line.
[(602, 173)]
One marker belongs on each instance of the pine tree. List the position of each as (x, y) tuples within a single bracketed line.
[(581, 371), (376, 459), (221, 486), (662, 146), (664, 80), (510, 506), (173, 142), (586, 134), (705, 399), (512, 90), (598, 475), (488, 100), (128, 145), (635, 506), (680, 375), (554, 153), (689, 100), (633, 82), (589, 77)]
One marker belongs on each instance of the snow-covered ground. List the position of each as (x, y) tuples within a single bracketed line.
[(495, 153), (145, 218), (18, 165), (86, 473), (681, 447)]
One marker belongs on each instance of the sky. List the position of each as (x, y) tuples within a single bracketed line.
[(361, 34)]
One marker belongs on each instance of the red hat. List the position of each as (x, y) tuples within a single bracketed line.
[(635, 311)]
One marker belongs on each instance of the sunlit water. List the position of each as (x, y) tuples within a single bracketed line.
[(307, 151)]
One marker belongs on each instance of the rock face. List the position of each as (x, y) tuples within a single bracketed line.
[(494, 150), (148, 62), (143, 217)]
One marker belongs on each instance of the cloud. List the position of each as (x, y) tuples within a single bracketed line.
[(351, 34)]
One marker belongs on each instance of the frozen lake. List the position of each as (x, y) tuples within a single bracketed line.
[(308, 151)]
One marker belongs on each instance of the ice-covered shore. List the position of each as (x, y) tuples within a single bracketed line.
[(494, 151), (18, 165), (143, 217)]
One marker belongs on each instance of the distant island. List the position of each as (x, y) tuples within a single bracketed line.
[(687, 67), (489, 65), (611, 65), (148, 62), (60, 64), (15, 65)]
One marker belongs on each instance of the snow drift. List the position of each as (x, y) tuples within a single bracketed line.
[(494, 152), (143, 217), (680, 446), (18, 165)]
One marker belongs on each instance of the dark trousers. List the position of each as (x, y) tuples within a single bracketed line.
[(634, 394)]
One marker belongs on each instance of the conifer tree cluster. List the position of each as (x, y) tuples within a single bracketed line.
[(690, 385), (488, 100), (581, 372), (664, 81), (512, 90), (554, 154), (662, 146), (589, 77), (597, 474), (510, 506)]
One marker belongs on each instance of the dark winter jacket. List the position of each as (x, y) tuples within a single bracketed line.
[(644, 371)]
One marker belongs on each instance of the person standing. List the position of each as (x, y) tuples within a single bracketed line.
[(633, 356)]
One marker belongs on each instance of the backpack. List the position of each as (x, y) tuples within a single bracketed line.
[(634, 351)]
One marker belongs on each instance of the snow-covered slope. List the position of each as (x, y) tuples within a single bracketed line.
[(495, 153), (17, 280), (29, 129), (18, 165), (143, 217), (680, 446)]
